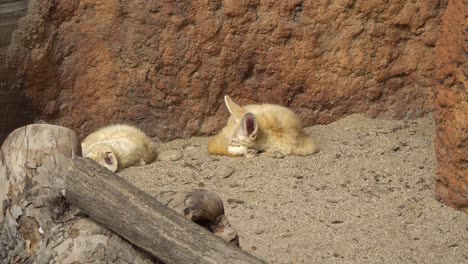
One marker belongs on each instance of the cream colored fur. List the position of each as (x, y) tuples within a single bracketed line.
[(271, 129), (119, 146)]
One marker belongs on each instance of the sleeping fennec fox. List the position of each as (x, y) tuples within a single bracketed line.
[(118, 147), (269, 128)]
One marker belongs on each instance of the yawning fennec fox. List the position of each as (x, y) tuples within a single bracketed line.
[(268, 128), (118, 147)]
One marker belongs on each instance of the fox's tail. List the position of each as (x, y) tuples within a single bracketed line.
[(306, 146)]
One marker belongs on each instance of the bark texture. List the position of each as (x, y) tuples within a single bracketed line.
[(166, 65), (452, 107)]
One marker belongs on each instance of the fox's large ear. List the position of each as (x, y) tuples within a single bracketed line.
[(249, 126), (110, 161), (109, 158), (234, 109)]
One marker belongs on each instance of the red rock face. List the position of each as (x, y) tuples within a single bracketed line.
[(166, 65), (452, 108)]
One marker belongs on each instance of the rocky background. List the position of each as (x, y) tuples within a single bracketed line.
[(451, 106), (165, 65)]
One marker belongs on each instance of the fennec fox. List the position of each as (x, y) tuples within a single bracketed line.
[(272, 129), (119, 146)]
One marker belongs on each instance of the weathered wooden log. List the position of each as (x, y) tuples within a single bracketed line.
[(37, 225), (143, 220)]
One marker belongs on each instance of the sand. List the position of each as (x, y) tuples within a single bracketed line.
[(366, 197)]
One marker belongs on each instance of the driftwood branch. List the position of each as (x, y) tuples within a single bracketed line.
[(142, 220)]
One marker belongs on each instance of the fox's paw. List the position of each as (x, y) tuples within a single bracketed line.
[(250, 153), (237, 150)]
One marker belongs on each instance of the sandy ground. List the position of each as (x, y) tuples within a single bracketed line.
[(367, 197)]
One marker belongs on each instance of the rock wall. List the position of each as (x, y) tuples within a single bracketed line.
[(452, 106), (165, 65)]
